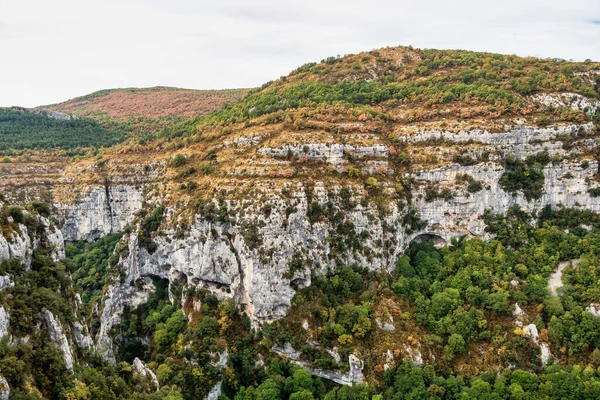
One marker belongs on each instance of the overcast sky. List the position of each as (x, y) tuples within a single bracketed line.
[(53, 50)]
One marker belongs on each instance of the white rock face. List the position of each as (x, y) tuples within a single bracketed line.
[(516, 141), (555, 281), (545, 353), (385, 325), (389, 357), (57, 336), (4, 322), (532, 332), (20, 245), (141, 369), (223, 358), (594, 309), (288, 351), (332, 153), (565, 183), (56, 239), (215, 392), (107, 209), (305, 325), (216, 256), (519, 315), (354, 375), (61, 116), (414, 355), (115, 300), (573, 100), (244, 141), (6, 282), (83, 340), (356, 368), (4, 389)]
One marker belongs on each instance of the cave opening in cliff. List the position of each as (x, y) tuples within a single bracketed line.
[(437, 240)]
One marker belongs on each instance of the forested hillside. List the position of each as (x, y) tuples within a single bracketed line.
[(22, 129)]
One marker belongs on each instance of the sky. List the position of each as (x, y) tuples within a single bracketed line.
[(54, 50)]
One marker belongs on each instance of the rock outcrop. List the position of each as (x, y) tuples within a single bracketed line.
[(20, 245), (532, 332), (4, 389), (354, 374), (107, 209), (58, 337), (214, 392), (140, 369), (4, 322)]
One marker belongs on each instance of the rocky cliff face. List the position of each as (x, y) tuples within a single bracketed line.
[(58, 337), (107, 209), (21, 244), (272, 241)]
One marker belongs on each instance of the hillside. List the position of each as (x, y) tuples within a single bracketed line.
[(382, 225), (380, 114), (146, 109), (21, 129), (36, 145)]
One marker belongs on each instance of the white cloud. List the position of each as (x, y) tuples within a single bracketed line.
[(54, 50)]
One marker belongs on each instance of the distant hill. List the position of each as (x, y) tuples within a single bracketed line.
[(24, 129), (147, 109)]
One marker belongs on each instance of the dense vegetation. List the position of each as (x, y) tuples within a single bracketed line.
[(93, 263), (32, 365), (455, 301), (21, 129), (463, 297)]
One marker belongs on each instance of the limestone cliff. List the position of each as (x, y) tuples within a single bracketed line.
[(271, 244)]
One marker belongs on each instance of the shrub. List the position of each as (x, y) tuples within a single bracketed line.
[(16, 213), (353, 172), (40, 207), (585, 164), (345, 340), (473, 185), (372, 183), (463, 159), (178, 160), (457, 343), (403, 158)]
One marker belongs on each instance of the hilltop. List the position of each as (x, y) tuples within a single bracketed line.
[(377, 114), (146, 109)]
